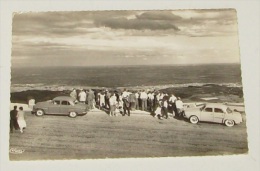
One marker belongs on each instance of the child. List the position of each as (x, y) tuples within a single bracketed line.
[(120, 106), (158, 111)]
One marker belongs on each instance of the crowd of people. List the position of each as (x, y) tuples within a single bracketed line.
[(158, 103)]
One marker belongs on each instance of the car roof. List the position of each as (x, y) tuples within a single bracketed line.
[(218, 105), (64, 98)]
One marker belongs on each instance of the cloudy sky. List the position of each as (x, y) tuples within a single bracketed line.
[(124, 38)]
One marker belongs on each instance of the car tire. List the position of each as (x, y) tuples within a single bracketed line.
[(73, 114), (194, 119), (229, 123), (39, 112)]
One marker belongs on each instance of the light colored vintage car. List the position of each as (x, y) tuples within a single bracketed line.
[(213, 112), (62, 105)]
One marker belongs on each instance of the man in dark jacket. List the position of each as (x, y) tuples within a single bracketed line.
[(132, 100), (126, 106), (13, 119)]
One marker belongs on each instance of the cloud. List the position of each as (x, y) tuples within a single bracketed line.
[(163, 23), (122, 37), (59, 24), (135, 24), (147, 20), (159, 15)]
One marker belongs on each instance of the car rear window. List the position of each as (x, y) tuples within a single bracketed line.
[(217, 110), (65, 103)]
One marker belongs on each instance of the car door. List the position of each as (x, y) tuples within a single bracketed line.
[(54, 107), (218, 115), (207, 114), (65, 107)]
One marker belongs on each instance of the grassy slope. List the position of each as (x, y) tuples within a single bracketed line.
[(97, 135)]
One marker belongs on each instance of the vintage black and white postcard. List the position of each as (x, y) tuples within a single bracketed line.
[(117, 84)]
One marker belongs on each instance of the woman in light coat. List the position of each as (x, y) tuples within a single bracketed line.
[(20, 119)]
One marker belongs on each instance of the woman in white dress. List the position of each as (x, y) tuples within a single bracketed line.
[(102, 99), (20, 119)]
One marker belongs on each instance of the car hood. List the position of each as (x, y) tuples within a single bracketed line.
[(236, 114)]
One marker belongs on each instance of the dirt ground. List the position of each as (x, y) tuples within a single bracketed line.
[(96, 135)]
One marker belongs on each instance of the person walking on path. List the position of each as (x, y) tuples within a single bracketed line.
[(13, 119), (20, 119)]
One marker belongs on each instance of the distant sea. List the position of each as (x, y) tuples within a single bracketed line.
[(127, 76)]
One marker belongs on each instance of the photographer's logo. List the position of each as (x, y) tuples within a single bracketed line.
[(16, 151)]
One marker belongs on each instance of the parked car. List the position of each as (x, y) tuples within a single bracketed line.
[(62, 105), (213, 112)]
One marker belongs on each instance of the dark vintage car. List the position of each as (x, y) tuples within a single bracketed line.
[(62, 105), (213, 112)]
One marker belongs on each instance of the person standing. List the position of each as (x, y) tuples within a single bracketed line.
[(82, 96), (73, 94), (120, 105), (102, 99), (112, 104), (126, 106), (172, 104), (13, 119), (90, 98), (132, 100), (20, 119), (165, 108), (179, 106), (143, 97), (137, 97), (125, 94), (107, 97), (151, 101)]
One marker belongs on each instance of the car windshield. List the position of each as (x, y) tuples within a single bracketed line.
[(229, 110), (72, 103), (201, 108)]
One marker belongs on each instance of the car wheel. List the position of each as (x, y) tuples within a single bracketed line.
[(72, 114), (229, 123), (39, 112), (194, 119)]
